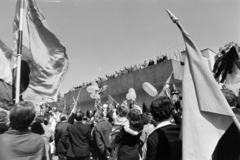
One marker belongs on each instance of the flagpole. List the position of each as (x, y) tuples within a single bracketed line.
[(19, 53), (175, 20)]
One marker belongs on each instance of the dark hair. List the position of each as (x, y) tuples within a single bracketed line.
[(39, 118), (63, 117), (22, 115), (145, 119), (3, 117), (37, 128), (122, 110), (134, 117), (230, 97), (161, 108), (79, 115)]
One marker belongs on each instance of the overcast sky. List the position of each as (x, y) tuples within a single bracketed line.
[(103, 36)]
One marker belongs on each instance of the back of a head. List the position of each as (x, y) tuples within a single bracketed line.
[(22, 115), (37, 128), (145, 119), (162, 108), (134, 115), (79, 116), (3, 117), (98, 115), (123, 110), (39, 118), (63, 117), (230, 97)]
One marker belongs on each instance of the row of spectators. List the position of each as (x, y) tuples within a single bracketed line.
[(126, 70)]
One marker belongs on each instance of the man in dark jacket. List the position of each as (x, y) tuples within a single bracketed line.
[(59, 132), (101, 144), (79, 135), (163, 143)]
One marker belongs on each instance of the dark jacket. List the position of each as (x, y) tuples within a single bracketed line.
[(59, 132), (164, 144), (101, 144), (79, 136)]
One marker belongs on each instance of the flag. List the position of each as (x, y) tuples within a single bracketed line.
[(112, 101), (206, 113), (175, 55), (165, 90), (5, 63), (42, 50), (75, 102)]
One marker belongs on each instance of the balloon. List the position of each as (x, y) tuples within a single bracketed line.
[(131, 90), (94, 96), (132, 95), (95, 84), (150, 89), (128, 96), (92, 89)]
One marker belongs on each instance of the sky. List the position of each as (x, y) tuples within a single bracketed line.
[(103, 36)]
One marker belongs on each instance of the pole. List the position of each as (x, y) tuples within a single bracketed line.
[(19, 53)]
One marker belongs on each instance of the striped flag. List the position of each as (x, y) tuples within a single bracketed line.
[(42, 50)]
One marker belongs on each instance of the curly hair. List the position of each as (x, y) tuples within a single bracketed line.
[(230, 97), (161, 108), (3, 117)]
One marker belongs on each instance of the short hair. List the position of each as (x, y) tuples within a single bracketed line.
[(37, 128), (63, 117), (79, 116), (145, 119), (39, 118), (3, 117), (230, 97), (161, 108), (98, 115), (123, 110), (134, 115), (22, 115)]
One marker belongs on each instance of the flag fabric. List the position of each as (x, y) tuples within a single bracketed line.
[(42, 50), (206, 113), (75, 102), (5, 63), (165, 90), (112, 101)]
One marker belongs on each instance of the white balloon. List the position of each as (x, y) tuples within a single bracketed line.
[(132, 95), (150, 89), (131, 90), (128, 96)]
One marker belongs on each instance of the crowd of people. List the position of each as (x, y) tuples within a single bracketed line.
[(126, 70), (122, 132)]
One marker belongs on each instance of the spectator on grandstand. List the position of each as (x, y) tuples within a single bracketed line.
[(3, 121), (163, 142), (20, 141)]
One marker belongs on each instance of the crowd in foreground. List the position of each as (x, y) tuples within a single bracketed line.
[(117, 133)]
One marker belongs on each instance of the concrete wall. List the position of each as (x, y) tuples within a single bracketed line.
[(118, 87)]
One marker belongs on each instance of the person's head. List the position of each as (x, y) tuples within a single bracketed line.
[(123, 110), (134, 116), (161, 108), (98, 116), (63, 117), (230, 97), (145, 119), (37, 128), (22, 115), (79, 116), (39, 118), (3, 117)]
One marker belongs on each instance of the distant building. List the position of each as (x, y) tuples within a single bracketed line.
[(156, 75)]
